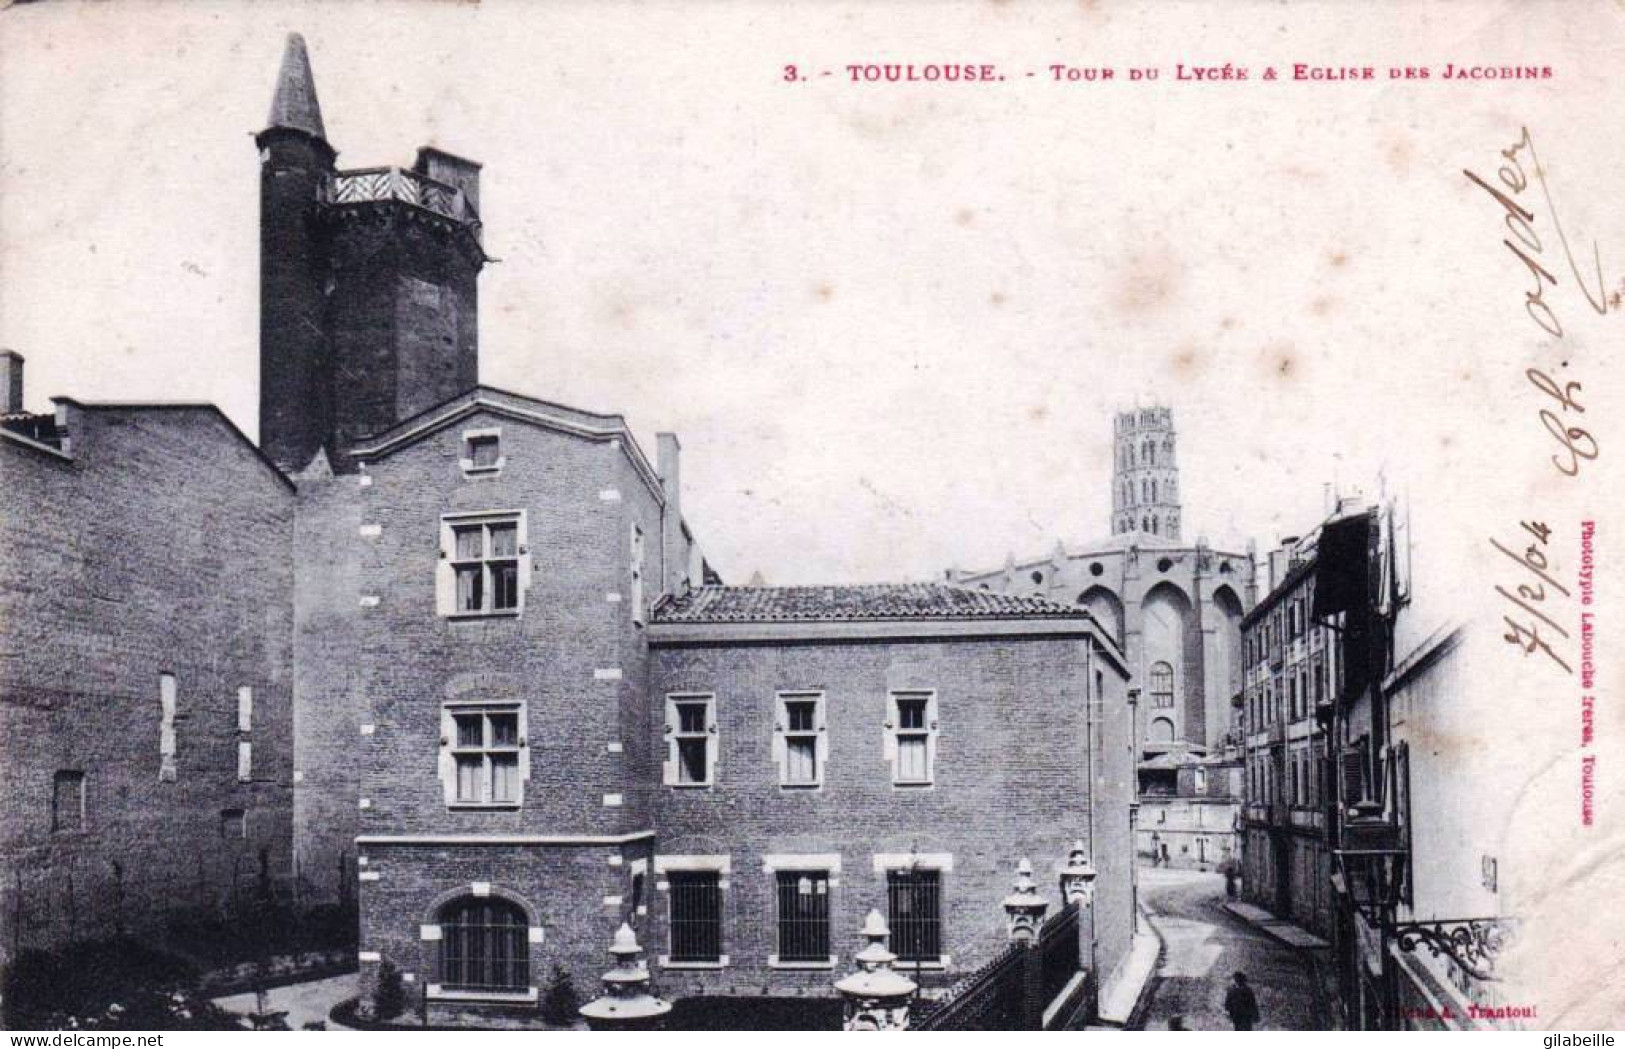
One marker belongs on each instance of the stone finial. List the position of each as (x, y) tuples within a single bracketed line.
[(877, 996), (626, 1003), (1024, 908), (1078, 877)]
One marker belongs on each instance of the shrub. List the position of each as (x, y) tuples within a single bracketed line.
[(389, 1000), (562, 1006)]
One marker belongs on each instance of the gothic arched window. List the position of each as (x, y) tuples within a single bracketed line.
[(1153, 491), (484, 945), (1162, 686)]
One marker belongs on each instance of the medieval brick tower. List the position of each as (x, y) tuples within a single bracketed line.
[(1145, 483), (368, 307)]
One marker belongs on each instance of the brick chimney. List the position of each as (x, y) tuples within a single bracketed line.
[(673, 556), (11, 382)]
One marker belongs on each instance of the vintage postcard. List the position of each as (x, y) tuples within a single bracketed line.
[(802, 515)]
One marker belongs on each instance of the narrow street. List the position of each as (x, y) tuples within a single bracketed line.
[(1205, 944)]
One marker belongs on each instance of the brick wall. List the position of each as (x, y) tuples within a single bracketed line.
[(1011, 780), (327, 686), (574, 657), (163, 547)]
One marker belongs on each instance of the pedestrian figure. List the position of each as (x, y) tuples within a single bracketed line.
[(1241, 1004)]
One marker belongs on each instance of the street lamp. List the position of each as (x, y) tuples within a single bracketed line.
[(1371, 862)]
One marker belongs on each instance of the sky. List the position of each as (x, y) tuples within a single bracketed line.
[(890, 322)]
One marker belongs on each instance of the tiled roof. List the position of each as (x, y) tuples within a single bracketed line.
[(803, 604)]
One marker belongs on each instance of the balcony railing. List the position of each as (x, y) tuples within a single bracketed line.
[(365, 185)]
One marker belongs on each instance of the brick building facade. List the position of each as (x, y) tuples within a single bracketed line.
[(1190, 810), (145, 646), (453, 654), (1293, 674)]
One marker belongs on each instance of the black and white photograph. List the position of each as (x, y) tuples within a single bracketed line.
[(803, 516)]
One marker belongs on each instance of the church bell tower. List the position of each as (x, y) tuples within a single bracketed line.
[(1145, 480)]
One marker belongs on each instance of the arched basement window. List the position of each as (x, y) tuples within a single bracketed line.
[(484, 945)]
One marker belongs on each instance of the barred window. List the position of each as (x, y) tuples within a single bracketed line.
[(803, 916), (696, 915), (914, 912), (484, 946)]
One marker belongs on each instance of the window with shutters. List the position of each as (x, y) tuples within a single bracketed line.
[(484, 564), (911, 738), (914, 914), (1356, 785), (801, 741), (485, 758), (691, 740)]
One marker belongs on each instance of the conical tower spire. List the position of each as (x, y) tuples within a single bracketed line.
[(294, 106)]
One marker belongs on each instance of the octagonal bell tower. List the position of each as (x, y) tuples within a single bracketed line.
[(1145, 479)]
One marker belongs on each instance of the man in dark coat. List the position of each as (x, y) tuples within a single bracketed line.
[(1241, 1004)]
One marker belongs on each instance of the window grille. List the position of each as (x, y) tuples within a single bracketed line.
[(484, 946), (914, 912), (696, 916), (803, 916)]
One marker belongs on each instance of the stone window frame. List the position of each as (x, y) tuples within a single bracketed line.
[(672, 768), (829, 864), (783, 733), (446, 569), (430, 934), (449, 750), (722, 865), (468, 461), (894, 733)]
